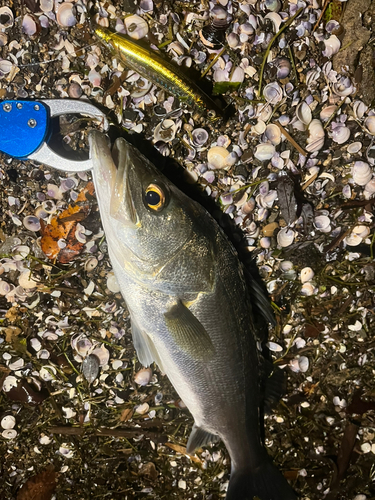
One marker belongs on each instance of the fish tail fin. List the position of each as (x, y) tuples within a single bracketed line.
[(265, 482)]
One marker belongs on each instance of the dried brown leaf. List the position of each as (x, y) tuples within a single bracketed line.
[(287, 199), (181, 449), (126, 414), (39, 487)]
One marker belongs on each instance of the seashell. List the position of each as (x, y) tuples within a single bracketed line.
[(46, 5), (300, 364), (353, 240), (332, 26), (43, 354), (176, 48), (146, 5), (238, 75), (283, 67), (31, 223), (273, 5), (9, 434), (29, 26), (35, 344), (54, 192), (286, 266), (361, 173), (264, 151), (48, 207), (307, 289), (142, 409), (322, 223), (47, 373), (165, 131), (143, 377), (333, 45), (65, 15), (273, 134), (303, 113), (90, 368), (200, 137), (233, 40), (26, 281), (307, 274), (81, 344), (3, 39), (259, 128), (101, 20), (90, 264), (246, 29), (219, 16), (265, 242), (75, 90), (354, 147), (347, 192), (343, 87), (249, 206), (5, 67), (272, 346), (264, 112), (362, 231), (5, 287), (8, 422), (285, 237), (272, 93), (217, 157), (276, 20), (16, 365), (327, 112), (136, 27), (6, 18), (340, 133), (268, 199), (103, 355), (359, 109), (315, 140), (370, 124), (370, 186), (284, 120)]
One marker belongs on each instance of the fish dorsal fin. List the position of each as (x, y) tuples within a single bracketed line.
[(145, 348), (199, 438), (188, 333)]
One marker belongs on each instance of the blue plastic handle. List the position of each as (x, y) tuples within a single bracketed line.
[(24, 126)]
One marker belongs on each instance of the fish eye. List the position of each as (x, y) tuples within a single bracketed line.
[(155, 197), (211, 114)]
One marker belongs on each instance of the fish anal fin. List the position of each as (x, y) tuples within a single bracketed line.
[(188, 333), (274, 383), (198, 438)]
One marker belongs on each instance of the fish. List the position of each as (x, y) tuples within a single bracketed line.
[(161, 72), (190, 309)]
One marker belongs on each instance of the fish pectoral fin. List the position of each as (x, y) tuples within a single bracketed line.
[(188, 333), (145, 348), (199, 438)]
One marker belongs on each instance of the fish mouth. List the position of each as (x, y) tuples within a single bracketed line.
[(112, 179)]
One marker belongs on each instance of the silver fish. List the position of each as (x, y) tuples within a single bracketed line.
[(190, 309)]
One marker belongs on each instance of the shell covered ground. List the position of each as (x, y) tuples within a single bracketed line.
[(291, 167)]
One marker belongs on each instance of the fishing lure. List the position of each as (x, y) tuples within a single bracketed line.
[(153, 67)]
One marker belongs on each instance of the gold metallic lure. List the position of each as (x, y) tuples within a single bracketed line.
[(153, 67)]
